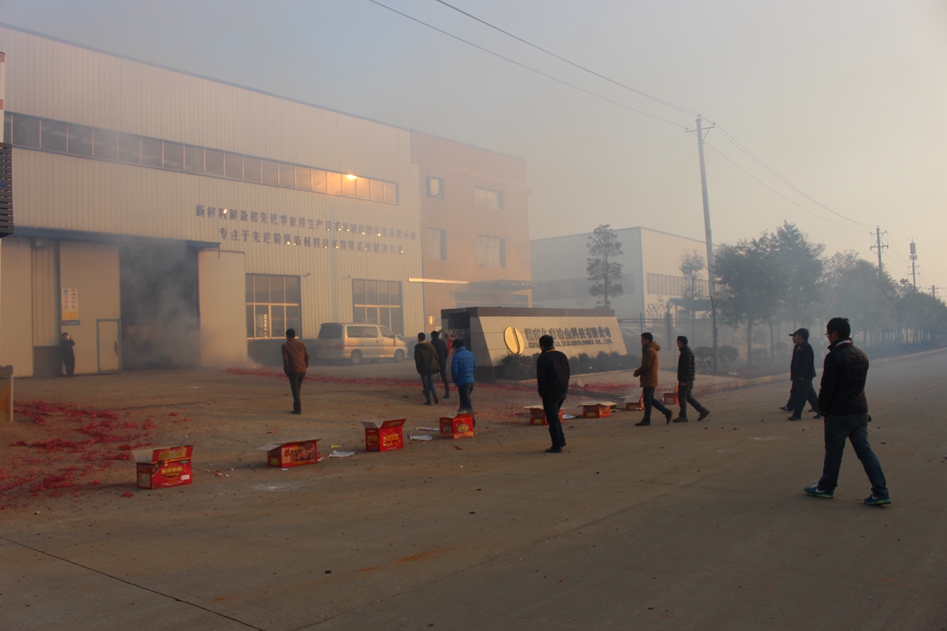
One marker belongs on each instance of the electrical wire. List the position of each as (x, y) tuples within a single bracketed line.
[(811, 212), (526, 67), (571, 63), (779, 177)]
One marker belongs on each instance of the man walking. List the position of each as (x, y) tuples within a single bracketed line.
[(295, 364), (425, 362), (802, 372), (843, 404), (686, 373), (648, 374), (67, 349), (441, 347), (462, 370), (552, 377)]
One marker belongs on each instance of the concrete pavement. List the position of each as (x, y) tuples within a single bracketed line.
[(696, 526)]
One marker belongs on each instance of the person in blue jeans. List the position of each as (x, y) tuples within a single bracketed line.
[(843, 405), (462, 370)]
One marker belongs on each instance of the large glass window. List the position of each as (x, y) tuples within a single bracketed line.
[(491, 250), (272, 306), (437, 244), (50, 135), (485, 198), (378, 302)]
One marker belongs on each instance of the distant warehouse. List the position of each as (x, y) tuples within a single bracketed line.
[(169, 220)]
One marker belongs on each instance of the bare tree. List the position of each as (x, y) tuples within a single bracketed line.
[(604, 272)]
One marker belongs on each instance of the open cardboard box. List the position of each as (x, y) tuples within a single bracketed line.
[(597, 409), (537, 415), (460, 426), (292, 453), (384, 435), (161, 467)]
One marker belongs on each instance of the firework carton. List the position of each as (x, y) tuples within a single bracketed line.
[(460, 426), (597, 409), (537, 415), (384, 435), (161, 467), (634, 403), (292, 453)]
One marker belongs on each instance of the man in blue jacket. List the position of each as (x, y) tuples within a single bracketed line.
[(843, 404), (462, 369)]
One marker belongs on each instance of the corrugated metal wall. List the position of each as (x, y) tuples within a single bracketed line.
[(46, 295), (51, 79), (16, 346)]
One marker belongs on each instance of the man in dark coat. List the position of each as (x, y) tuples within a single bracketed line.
[(425, 362), (552, 377), (843, 403), (441, 347), (802, 372), (67, 348), (295, 363), (686, 373)]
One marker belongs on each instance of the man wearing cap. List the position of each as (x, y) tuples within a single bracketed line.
[(802, 372)]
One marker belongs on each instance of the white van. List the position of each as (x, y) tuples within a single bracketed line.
[(358, 342)]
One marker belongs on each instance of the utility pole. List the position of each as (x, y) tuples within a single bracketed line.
[(711, 277), (913, 263), (933, 292), (879, 246)]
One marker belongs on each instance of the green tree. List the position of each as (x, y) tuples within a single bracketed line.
[(692, 264), (855, 290), (801, 262), (751, 284), (604, 272)]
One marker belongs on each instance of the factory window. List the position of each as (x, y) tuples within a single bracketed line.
[(665, 285), (437, 244), (485, 198), (435, 187), (103, 144), (491, 250), (378, 302), (272, 306)]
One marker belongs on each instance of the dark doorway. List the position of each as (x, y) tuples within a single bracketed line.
[(160, 318)]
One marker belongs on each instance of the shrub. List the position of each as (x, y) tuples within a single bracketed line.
[(726, 355), (704, 358)]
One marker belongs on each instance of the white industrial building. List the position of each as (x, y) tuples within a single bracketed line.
[(165, 219)]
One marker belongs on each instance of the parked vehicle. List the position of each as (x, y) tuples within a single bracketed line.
[(358, 342)]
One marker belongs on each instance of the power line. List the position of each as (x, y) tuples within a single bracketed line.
[(779, 177), (571, 63), (811, 212), (524, 66)]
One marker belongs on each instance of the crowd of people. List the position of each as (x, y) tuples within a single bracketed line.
[(841, 401)]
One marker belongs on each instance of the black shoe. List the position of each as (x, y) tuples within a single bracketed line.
[(680, 419), (447, 395), (554, 450), (785, 408), (667, 417), (703, 415), (427, 403), (795, 418), (436, 401), (296, 412), (817, 415), (643, 423)]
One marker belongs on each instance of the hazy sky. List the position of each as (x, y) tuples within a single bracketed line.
[(846, 100)]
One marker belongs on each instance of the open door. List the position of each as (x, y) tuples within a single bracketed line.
[(110, 352)]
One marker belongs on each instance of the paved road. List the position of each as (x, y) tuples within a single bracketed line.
[(698, 526)]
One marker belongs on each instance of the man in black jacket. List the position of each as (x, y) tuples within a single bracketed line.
[(442, 351), (552, 376), (843, 404), (686, 372), (802, 372)]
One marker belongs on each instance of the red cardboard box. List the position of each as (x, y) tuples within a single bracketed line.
[(384, 436), (459, 426), (634, 404), (670, 398), (293, 453), (537, 415), (161, 467), (600, 409)]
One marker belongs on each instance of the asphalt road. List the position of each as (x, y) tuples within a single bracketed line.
[(697, 526)]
